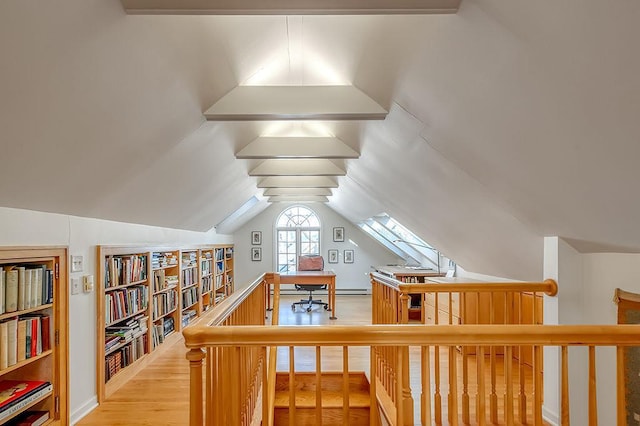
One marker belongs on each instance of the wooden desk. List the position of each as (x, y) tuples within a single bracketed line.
[(306, 277)]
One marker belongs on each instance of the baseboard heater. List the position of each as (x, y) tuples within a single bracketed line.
[(339, 292)]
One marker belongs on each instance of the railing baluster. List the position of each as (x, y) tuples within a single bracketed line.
[(437, 398), (537, 385), (593, 399), (373, 387), (564, 393), (210, 383), (345, 385), (481, 412), (453, 386), (265, 388), (453, 379), (292, 387), (425, 399), (400, 415), (235, 391), (522, 396), (493, 397), (318, 386), (507, 360), (620, 397), (465, 367)]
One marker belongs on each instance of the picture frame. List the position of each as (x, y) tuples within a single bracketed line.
[(348, 256), (256, 238), (338, 234), (256, 254), (333, 256)]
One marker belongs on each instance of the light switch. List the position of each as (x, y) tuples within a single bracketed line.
[(88, 283), (75, 285), (77, 264)]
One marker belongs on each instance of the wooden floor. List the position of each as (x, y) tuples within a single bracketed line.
[(159, 395)]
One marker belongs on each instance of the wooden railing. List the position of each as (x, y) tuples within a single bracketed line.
[(454, 304), (237, 404), (396, 338)]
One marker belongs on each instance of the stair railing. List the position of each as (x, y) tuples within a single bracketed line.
[(457, 303), (258, 338)]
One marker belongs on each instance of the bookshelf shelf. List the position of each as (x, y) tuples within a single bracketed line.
[(25, 311), (34, 333), (161, 280)]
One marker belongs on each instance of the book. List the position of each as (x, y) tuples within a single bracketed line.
[(4, 341), (17, 394), (2, 302), (22, 340), (12, 342), (32, 418), (46, 333), (27, 288), (21, 288), (11, 290)]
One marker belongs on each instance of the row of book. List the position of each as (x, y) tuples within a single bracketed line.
[(189, 259), (23, 337), (189, 277), (125, 332), (15, 395), (219, 267), (123, 270), (219, 254), (25, 287), (187, 316), (206, 263), (189, 297), (120, 304), (164, 303), (31, 418), (161, 329), (162, 281), (162, 260), (125, 356), (206, 284)]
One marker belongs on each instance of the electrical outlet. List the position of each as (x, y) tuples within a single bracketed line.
[(77, 263), (88, 283), (75, 285)]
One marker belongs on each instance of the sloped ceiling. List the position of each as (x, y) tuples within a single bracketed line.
[(509, 121)]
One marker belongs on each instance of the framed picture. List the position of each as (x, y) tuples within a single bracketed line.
[(256, 254), (348, 256), (333, 256), (338, 234), (256, 238)]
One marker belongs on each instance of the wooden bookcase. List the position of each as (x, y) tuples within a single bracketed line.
[(44, 309), (146, 296)]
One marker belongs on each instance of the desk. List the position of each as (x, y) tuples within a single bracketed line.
[(306, 277)]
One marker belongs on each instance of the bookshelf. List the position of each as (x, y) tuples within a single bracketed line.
[(146, 296), (33, 331)]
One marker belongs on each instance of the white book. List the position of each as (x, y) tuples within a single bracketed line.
[(34, 287), (21, 288), (4, 342), (27, 288), (39, 278), (11, 290), (12, 341), (2, 276)]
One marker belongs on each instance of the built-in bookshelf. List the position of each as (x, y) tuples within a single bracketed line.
[(146, 296), (33, 333)]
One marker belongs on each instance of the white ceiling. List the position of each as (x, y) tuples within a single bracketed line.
[(509, 121)]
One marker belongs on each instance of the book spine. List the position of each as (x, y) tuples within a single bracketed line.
[(26, 401)]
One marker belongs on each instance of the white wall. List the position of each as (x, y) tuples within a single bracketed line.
[(81, 235), (367, 251)]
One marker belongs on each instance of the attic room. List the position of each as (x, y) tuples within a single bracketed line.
[(504, 134)]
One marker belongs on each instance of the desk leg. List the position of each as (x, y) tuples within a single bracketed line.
[(332, 299)]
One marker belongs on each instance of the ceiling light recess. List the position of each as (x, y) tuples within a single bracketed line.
[(298, 199), (297, 167), (289, 7), (296, 147), (270, 192), (298, 182), (259, 103)]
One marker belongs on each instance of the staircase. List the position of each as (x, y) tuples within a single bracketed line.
[(331, 386)]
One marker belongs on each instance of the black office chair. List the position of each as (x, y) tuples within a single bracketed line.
[(310, 263)]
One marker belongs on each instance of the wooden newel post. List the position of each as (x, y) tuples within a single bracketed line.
[(407, 399), (195, 357)]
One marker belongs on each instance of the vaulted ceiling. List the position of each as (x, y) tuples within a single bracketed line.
[(508, 121)]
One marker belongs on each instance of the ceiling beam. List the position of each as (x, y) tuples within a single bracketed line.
[(271, 192), (289, 7), (295, 199), (296, 147), (259, 103), (298, 182), (297, 167)]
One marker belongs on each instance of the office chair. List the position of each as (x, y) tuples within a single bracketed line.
[(310, 263)]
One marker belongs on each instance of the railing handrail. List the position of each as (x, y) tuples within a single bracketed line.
[(414, 335), (549, 286), (224, 309)]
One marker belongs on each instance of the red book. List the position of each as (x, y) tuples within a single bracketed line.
[(33, 418), (34, 337), (46, 331), (12, 391)]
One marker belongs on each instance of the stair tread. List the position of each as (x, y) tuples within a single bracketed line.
[(307, 399)]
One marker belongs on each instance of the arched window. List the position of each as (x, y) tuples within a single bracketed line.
[(298, 233)]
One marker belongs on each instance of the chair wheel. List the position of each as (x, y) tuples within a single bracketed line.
[(308, 309), (293, 307), (326, 307)]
